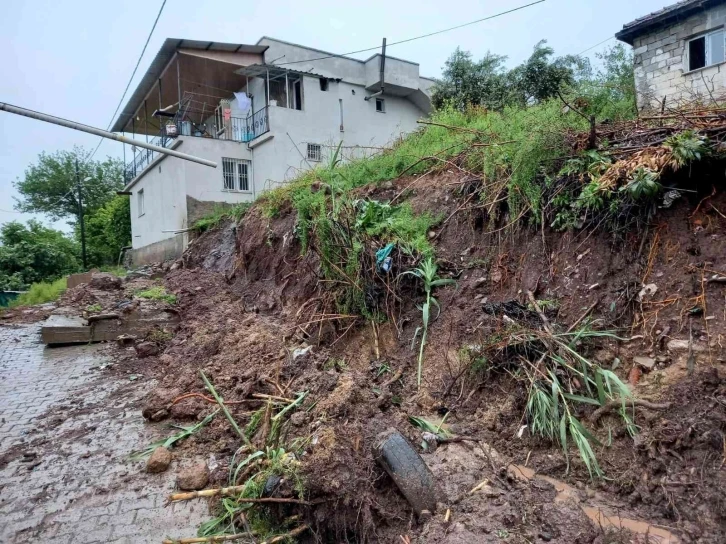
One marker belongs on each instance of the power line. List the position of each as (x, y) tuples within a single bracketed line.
[(138, 62), (594, 46), (416, 37)]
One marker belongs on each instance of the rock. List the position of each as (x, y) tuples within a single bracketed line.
[(682, 345), (159, 460), (301, 352), (146, 349), (603, 356), (105, 282), (159, 415), (194, 477), (479, 281), (177, 265), (159, 399), (645, 362)]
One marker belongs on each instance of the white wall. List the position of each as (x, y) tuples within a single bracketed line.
[(167, 183), (661, 63), (164, 202), (277, 160)]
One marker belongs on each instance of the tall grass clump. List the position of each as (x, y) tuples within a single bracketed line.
[(40, 293)]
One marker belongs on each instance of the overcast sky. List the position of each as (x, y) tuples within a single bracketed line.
[(73, 58)]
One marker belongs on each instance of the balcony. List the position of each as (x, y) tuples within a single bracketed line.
[(236, 129)]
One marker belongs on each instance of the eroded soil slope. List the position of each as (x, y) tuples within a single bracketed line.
[(249, 298)]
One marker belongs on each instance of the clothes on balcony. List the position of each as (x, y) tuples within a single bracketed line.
[(243, 102)]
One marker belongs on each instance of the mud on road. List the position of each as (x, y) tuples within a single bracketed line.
[(67, 426)]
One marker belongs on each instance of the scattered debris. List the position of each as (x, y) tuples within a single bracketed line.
[(159, 460)]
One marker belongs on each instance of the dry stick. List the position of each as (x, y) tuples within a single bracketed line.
[(208, 399), (225, 411), (584, 314), (613, 404), (291, 534), (453, 127), (216, 538), (271, 397), (226, 492), (394, 379), (540, 313)]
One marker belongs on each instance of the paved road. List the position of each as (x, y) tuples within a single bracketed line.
[(66, 428)]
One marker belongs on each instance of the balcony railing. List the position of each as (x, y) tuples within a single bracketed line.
[(237, 129)]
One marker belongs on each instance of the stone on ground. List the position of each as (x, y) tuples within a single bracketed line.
[(194, 477), (159, 460)]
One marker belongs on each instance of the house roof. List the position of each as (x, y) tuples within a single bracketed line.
[(662, 18), (162, 58)]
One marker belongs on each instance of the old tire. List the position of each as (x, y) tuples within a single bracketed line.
[(409, 472)]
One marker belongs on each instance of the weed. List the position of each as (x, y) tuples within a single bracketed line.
[(40, 293), (94, 308), (220, 214), (159, 335), (427, 273), (157, 293), (335, 364), (185, 432), (118, 271), (383, 368)]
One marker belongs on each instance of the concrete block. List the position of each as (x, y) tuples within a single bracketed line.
[(639, 50)]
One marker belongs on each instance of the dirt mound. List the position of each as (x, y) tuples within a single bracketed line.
[(244, 297)]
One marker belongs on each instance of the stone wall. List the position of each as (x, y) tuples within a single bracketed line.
[(196, 209), (164, 250), (661, 63)]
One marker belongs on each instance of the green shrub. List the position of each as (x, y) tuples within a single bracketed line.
[(157, 293), (40, 293)]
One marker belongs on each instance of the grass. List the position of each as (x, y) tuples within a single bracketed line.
[(256, 468), (157, 293), (184, 432), (220, 214), (118, 271), (40, 293)]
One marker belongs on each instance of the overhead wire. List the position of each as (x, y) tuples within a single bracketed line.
[(138, 62), (416, 37)]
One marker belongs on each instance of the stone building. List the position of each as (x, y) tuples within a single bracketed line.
[(679, 53)]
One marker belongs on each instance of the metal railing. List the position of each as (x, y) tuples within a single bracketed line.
[(237, 129)]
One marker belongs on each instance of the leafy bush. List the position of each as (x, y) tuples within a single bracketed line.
[(40, 293), (108, 229), (32, 253)]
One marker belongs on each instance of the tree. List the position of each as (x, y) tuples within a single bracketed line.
[(610, 94), (108, 230), (49, 186), (540, 77), (32, 253), (466, 82)]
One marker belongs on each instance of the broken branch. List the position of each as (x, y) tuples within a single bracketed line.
[(613, 404)]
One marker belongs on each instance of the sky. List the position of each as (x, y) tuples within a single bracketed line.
[(73, 59)]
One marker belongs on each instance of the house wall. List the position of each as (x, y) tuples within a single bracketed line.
[(661, 63), (168, 181), (277, 160)]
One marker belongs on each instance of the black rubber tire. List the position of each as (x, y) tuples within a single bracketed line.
[(410, 473)]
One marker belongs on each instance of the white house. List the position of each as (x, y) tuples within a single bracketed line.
[(263, 112), (679, 53)]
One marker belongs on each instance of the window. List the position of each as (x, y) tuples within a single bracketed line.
[(380, 105), (314, 152), (236, 174), (706, 50), (323, 84), (140, 202)]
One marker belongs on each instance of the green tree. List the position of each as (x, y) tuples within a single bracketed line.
[(465, 82), (32, 253), (49, 186), (541, 76), (610, 94), (108, 230)]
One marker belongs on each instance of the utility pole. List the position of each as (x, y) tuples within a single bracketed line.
[(80, 217)]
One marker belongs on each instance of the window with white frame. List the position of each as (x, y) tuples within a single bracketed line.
[(706, 50), (315, 153), (237, 174), (140, 202)]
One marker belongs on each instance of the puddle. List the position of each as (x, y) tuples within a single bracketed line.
[(599, 516)]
